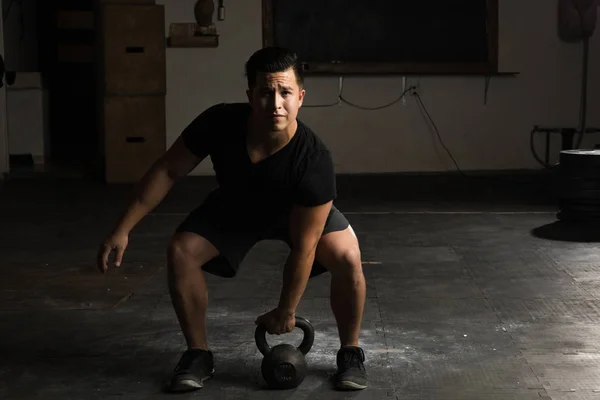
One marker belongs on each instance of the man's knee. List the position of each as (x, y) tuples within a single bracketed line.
[(339, 252), (347, 263), (350, 263), (188, 251)]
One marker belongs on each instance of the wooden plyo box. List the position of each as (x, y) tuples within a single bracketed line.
[(132, 49), (134, 136)]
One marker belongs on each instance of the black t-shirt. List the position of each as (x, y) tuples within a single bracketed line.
[(301, 173)]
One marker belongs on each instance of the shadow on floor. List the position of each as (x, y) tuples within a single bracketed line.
[(567, 232)]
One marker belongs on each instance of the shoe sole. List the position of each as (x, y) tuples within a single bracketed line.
[(349, 385), (190, 384)]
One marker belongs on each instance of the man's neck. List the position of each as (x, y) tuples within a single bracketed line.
[(269, 141)]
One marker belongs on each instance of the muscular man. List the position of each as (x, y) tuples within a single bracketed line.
[(276, 181)]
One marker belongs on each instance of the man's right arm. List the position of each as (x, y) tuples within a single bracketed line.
[(190, 148), (151, 190), (177, 162)]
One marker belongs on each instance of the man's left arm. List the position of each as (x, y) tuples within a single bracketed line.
[(306, 228), (313, 201)]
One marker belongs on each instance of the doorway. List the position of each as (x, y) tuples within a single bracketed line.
[(67, 58)]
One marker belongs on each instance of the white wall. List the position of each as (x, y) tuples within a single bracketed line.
[(27, 117), (398, 138)]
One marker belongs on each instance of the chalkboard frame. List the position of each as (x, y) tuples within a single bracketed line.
[(489, 67)]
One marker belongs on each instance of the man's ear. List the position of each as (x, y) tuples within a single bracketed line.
[(249, 94)]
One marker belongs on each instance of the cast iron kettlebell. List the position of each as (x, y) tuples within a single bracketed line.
[(284, 365)]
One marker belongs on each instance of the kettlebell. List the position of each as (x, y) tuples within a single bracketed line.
[(284, 366)]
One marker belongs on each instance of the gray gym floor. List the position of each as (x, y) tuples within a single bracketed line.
[(474, 292)]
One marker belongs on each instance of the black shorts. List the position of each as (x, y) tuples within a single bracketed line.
[(233, 236)]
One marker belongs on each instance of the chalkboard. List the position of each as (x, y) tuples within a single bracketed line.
[(386, 36)]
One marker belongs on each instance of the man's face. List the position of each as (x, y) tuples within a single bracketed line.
[(276, 99)]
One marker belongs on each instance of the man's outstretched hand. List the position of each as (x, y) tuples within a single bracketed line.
[(117, 242), (277, 321)]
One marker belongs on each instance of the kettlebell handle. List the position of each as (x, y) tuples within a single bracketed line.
[(260, 336)]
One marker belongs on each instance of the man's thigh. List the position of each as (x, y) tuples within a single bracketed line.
[(336, 224)]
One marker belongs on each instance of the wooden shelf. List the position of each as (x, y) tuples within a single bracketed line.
[(189, 34), (193, 41)]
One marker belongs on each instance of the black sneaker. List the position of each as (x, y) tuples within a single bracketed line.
[(351, 373), (194, 367)]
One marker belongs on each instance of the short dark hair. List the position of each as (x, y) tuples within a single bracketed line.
[(273, 59)]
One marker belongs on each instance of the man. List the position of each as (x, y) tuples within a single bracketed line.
[(276, 181)]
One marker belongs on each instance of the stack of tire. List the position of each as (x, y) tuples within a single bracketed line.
[(579, 187)]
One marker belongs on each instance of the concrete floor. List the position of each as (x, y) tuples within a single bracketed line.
[(474, 292)]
